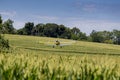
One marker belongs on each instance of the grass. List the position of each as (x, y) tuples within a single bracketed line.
[(32, 58), (45, 44)]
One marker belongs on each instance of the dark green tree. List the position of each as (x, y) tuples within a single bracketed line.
[(38, 30), (67, 33), (51, 30), (27, 30), (61, 30), (1, 27), (20, 31), (0, 19)]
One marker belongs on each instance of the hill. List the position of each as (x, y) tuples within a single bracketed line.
[(44, 45)]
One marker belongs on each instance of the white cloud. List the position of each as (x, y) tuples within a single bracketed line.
[(85, 25), (19, 24), (88, 25), (8, 13), (44, 17), (34, 18)]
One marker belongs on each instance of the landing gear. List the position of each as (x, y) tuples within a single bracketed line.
[(53, 46)]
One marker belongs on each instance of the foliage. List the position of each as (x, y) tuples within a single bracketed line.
[(52, 30), (8, 27), (96, 36), (4, 44), (0, 24), (116, 35), (28, 28), (106, 36), (0, 19)]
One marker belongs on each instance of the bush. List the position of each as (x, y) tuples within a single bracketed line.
[(108, 41), (4, 44)]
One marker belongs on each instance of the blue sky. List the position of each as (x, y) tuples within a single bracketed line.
[(84, 14)]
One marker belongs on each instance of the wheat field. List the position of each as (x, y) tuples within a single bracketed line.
[(34, 58)]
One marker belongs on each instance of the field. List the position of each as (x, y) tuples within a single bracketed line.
[(34, 58)]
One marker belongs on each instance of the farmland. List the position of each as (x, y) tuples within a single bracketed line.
[(34, 58)]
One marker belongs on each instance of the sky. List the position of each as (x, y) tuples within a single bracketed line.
[(87, 15)]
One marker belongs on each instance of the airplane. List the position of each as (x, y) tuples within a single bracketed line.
[(58, 43)]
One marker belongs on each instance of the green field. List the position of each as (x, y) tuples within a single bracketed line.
[(45, 44), (34, 58)]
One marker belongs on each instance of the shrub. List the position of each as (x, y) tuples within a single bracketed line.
[(4, 44), (108, 41)]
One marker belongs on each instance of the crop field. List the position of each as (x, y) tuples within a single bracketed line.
[(34, 58)]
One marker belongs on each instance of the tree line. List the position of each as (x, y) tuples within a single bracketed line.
[(60, 31), (4, 43), (52, 30)]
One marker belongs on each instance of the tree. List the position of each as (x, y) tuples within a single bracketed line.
[(51, 30), (107, 36), (82, 36), (8, 27), (67, 33), (97, 36), (0, 19), (3, 43), (75, 30), (61, 30), (20, 31), (38, 30), (0, 24), (116, 35), (28, 28), (77, 34)]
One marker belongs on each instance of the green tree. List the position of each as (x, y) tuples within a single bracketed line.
[(3, 43), (75, 30), (0, 24), (116, 34), (27, 30), (20, 31), (51, 30), (38, 30), (97, 36), (61, 30), (82, 36), (0, 19), (75, 33), (67, 33), (107, 36), (8, 27)]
